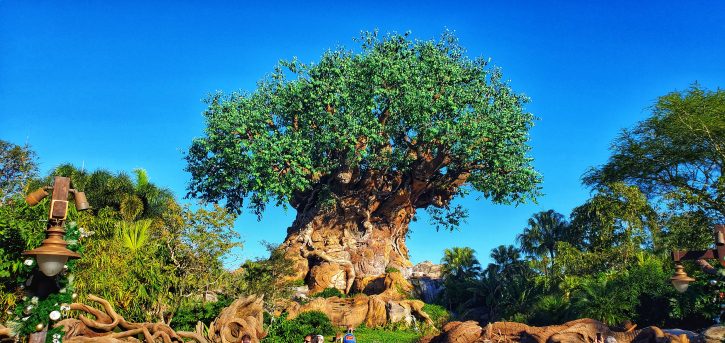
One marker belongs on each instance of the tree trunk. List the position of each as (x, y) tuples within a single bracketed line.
[(338, 246)]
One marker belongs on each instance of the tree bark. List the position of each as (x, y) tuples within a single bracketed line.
[(338, 245)]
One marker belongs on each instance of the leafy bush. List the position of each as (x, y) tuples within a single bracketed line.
[(281, 330), (386, 335), (389, 270), (187, 316), (551, 310), (328, 293), (438, 314)]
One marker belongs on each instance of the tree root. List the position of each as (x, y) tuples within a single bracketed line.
[(106, 323)]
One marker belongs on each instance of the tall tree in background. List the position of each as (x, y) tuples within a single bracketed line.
[(357, 142), (677, 155), (544, 230), (17, 167), (460, 270)]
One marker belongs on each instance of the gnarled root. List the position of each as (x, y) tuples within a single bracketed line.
[(103, 327)]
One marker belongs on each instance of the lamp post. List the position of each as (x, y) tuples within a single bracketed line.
[(680, 279), (52, 253)]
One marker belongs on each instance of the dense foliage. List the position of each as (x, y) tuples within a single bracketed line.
[(281, 330), (145, 253), (17, 166), (399, 113), (660, 191)]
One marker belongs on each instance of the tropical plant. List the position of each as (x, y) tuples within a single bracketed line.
[(17, 167), (460, 263), (282, 330), (605, 299), (544, 230), (135, 234)]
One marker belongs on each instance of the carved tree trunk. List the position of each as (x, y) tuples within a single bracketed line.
[(362, 231)]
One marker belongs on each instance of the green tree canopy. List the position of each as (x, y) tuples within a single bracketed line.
[(677, 155), (544, 230), (17, 167), (399, 116)]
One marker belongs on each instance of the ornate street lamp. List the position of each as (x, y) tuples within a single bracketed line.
[(52, 253), (680, 279)]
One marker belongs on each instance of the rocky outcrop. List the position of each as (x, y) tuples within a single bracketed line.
[(426, 280), (380, 300), (243, 316), (426, 269), (373, 310), (577, 331), (715, 334), (426, 288)]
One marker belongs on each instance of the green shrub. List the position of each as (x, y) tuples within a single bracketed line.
[(551, 310), (281, 330), (186, 316), (438, 314), (328, 293), (386, 335), (389, 270)]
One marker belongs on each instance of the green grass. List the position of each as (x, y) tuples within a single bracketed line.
[(387, 335)]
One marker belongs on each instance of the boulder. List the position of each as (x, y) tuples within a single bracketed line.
[(426, 288), (397, 313), (426, 269), (576, 331), (243, 316), (715, 333), (373, 311)]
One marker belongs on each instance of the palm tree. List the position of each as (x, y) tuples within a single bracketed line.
[(545, 229), (135, 234), (460, 263), (505, 255)]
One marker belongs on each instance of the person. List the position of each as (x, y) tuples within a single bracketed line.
[(319, 339), (349, 337), (246, 338), (308, 339)]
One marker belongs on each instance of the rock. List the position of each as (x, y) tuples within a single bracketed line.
[(693, 337), (426, 288), (243, 316), (426, 269), (457, 332), (377, 313), (373, 311), (398, 313), (715, 334), (301, 293), (577, 331)]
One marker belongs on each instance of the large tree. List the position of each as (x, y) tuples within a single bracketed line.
[(359, 141), (676, 155), (17, 166)]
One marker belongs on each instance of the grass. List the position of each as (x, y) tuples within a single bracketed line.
[(386, 335)]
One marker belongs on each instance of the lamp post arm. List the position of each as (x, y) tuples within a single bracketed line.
[(706, 267), (679, 255)]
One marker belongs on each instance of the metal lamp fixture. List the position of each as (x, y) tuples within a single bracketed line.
[(52, 253), (680, 279)]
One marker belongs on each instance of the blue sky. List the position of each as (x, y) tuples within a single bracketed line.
[(119, 86)]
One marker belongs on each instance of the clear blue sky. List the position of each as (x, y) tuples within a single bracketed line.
[(119, 86)]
